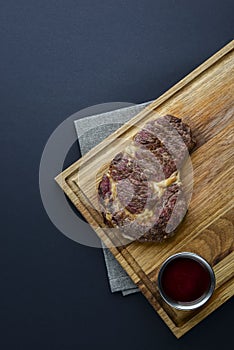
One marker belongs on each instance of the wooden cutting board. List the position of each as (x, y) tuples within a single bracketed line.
[(204, 100)]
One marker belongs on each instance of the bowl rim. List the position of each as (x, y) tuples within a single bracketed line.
[(192, 304)]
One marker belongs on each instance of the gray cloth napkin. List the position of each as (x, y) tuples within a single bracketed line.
[(91, 131)]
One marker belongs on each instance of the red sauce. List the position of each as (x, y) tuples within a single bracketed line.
[(185, 280)]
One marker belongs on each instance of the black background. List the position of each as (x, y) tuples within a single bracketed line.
[(58, 57)]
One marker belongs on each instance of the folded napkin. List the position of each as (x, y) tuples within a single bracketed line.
[(91, 131)]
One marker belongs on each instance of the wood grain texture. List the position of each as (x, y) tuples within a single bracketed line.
[(203, 99)]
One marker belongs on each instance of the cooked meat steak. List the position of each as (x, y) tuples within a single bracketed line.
[(141, 193)]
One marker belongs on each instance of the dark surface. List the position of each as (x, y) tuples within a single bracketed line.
[(58, 57)]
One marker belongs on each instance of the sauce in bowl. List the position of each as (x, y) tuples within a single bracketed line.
[(186, 281)]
